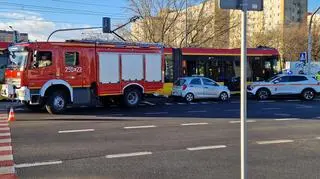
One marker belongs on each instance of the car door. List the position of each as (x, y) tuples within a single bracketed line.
[(297, 83), (196, 88), (210, 88), (282, 85), (43, 68), (72, 67)]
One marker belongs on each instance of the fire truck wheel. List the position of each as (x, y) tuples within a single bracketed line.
[(56, 103), (132, 97)]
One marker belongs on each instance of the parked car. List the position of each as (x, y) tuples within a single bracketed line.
[(286, 84), (191, 88)]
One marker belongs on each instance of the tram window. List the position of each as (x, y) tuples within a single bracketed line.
[(169, 68)]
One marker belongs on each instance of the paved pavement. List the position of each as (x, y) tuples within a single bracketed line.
[(165, 139)]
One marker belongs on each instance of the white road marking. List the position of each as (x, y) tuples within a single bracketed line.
[(6, 157), (282, 114), (304, 107), (168, 104), (271, 101), (155, 113), (205, 103), (4, 134), (5, 140), (4, 128), (25, 165), (318, 138), (128, 154), (5, 148), (140, 127), (193, 103), (4, 125), (194, 124), (6, 170), (207, 147), (287, 119), (274, 142), (232, 110), (234, 122), (149, 103), (197, 111), (293, 100), (271, 108), (79, 130), (182, 103)]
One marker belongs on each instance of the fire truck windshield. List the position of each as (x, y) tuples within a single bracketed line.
[(17, 59)]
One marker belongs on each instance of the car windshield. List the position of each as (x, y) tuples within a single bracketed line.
[(272, 78), (17, 59)]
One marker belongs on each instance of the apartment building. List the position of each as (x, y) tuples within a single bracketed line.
[(8, 36), (277, 15)]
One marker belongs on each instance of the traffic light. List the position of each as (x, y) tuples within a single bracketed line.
[(106, 25)]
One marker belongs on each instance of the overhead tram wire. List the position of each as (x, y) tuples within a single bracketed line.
[(64, 10), (56, 12), (48, 21), (85, 3)]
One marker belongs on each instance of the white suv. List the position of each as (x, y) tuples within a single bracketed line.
[(191, 88), (303, 85)]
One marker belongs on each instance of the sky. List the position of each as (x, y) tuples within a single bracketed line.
[(40, 17)]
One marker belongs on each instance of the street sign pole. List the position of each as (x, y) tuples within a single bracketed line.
[(243, 80)]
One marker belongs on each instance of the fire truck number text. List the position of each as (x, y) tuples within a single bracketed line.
[(73, 69)]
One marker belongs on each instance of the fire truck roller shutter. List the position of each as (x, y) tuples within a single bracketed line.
[(132, 67), (109, 67), (50, 83), (153, 68)]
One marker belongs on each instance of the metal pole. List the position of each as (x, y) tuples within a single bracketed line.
[(243, 114), (310, 37), (186, 23)]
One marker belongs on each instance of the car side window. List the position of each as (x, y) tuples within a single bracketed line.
[(195, 81), (209, 82), (44, 59), (283, 79), (298, 78), (71, 58)]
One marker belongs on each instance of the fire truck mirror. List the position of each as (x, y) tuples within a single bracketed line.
[(35, 54)]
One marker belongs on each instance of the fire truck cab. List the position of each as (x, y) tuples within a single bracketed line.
[(56, 74)]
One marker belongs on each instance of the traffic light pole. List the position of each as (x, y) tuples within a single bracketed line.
[(243, 115)]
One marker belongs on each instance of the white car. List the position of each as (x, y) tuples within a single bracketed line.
[(191, 88), (305, 86)]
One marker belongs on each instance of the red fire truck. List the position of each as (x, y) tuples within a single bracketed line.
[(56, 74)]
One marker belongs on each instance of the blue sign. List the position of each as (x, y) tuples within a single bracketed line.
[(303, 56)]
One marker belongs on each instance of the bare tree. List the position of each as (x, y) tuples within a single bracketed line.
[(316, 39), (165, 21)]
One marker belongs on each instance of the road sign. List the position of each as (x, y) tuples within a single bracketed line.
[(252, 5), (303, 56)]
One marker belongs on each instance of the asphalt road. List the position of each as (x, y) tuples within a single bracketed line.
[(165, 139)]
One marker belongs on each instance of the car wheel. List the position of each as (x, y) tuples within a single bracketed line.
[(57, 103), (308, 94), (189, 97), (263, 94), (224, 96)]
